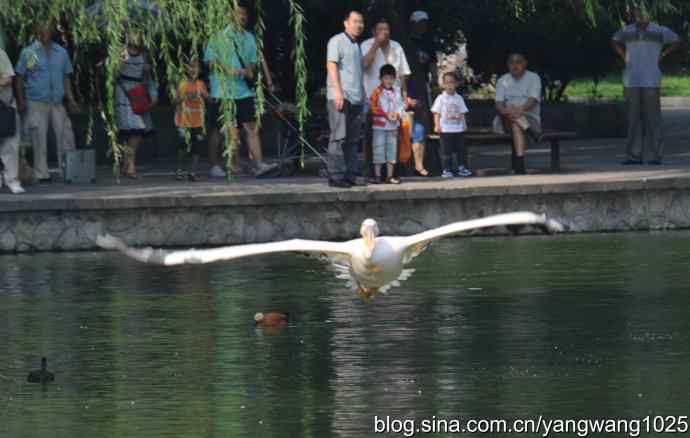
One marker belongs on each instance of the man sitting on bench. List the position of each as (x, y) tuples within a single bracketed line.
[(518, 97)]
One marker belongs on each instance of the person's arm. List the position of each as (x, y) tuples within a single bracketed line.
[(20, 71), (619, 49), (268, 76), (403, 88), (670, 49), (67, 70), (370, 56), (436, 111), (19, 93), (332, 68), (501, 106), (671, 40), (69, 95), (618, 45)]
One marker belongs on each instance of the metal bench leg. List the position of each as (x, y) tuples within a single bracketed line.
[(555, 156)]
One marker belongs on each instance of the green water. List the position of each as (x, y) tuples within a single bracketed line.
[(575, 326)]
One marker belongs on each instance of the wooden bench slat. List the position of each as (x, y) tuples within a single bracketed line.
[(483, 137)]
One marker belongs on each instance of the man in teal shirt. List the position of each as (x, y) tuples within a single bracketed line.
[(232, 56)]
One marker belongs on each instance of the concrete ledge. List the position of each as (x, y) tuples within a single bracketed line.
[(223, 195), (220, 214)]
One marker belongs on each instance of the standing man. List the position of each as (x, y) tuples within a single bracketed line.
[(518, 104), (43, 83), (421, 53), (232, 57), (641, 46), (9, 146), (346, 99), (379, 51)]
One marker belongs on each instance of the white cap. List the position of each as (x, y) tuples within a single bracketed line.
[(418, 16), (258, 317)]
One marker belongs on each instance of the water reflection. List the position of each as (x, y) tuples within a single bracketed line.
[(574, 326)]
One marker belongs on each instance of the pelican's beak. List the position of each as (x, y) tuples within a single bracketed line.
[(369, 243)]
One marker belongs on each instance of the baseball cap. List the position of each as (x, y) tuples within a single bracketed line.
[(418, 16)]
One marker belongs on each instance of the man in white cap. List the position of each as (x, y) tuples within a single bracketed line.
[(421, 54)]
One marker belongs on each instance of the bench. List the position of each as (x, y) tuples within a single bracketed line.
[(486, 137)]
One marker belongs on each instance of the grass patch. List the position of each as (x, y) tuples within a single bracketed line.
[(611, 87)]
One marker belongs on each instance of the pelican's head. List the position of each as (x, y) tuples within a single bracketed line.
[(369, 232)]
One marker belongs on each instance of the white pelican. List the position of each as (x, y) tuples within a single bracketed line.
[(371, 264)]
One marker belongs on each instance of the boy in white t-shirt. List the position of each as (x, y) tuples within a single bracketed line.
[(449, 111)]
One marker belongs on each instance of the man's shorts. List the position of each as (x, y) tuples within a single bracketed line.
[(385, 146), (245, 111), (418, 133)]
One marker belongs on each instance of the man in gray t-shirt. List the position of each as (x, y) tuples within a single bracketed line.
[(641, 46), (346, 98)]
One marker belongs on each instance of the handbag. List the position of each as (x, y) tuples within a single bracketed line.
[(251, 82), (8, 120), (138, 96), (405, 139)]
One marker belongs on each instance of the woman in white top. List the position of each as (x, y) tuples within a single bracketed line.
[(9, 146)]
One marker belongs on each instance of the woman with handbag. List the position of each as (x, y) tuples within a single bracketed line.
[(9, 127), (135, 95)]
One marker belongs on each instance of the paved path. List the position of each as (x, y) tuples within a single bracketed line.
[(583, 161)]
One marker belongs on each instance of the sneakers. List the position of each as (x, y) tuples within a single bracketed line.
[(464, 171), (180, 175), (217, 172), (15, 187), (263, 168), (447, 174)]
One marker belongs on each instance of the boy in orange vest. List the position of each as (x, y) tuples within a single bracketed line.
[(386, 112), (189, 119)]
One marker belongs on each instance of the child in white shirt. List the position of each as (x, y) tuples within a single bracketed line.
[(449, 111)]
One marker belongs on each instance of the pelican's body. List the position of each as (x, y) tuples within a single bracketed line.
[(371, 263)]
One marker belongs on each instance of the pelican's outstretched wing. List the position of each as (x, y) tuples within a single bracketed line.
[(417, 243), (200, 256)]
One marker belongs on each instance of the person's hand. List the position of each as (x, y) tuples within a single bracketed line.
[(21, 106), (514, 113), (72, 106), (411, 103), (437, 129), (392, 117), (339, 100), (154, 101)]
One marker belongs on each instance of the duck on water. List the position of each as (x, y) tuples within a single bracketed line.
[(42, 375)]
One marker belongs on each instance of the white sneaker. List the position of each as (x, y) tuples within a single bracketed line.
[(217, 172), (464, 171), (15, 187), (447, 174)]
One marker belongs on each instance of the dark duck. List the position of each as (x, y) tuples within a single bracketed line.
[(42, 375)]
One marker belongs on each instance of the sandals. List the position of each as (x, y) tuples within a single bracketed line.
[(423, 173)]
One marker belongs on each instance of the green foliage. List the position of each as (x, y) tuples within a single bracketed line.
[(173, 32), (611, 87)]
